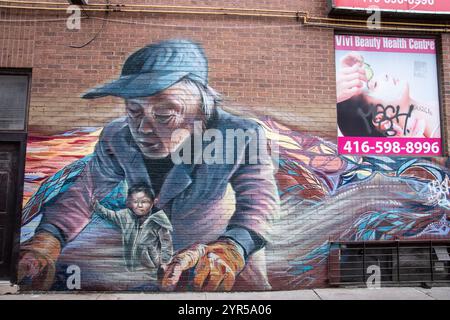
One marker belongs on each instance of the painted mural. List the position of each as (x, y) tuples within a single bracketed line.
[(183, 195)]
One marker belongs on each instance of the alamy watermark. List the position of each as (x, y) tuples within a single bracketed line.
[(73, 281), (374, 20), (231, 146), (374, 280), (73, 22)]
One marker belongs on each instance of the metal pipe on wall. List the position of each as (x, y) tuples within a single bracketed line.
[(243, 12)]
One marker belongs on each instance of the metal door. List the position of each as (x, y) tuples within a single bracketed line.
[(9, 152)]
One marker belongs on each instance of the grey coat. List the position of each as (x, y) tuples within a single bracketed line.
[(146, 245), (203, 202)]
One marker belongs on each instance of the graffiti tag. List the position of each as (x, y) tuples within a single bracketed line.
[(384, 118), (439, 192)]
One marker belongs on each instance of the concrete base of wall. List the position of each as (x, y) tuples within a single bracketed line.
[(400, 293)]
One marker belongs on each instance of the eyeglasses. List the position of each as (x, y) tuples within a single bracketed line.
[(135, 109)]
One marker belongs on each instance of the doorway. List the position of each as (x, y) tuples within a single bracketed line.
[(9, 153), (14, 101)]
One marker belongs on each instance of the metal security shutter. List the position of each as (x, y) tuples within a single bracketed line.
[(399, 262)]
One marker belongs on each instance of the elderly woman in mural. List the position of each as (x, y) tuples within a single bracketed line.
[(236, 224), (367, 104), (221, 213)]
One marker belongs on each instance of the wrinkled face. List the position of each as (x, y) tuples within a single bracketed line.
[(140, 203), (388, 90), (152, 120)]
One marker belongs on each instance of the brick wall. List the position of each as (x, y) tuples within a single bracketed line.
[(263, 66), (261, 62), (265, 63)]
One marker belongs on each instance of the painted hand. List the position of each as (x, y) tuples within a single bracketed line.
[(216, 266), (36, 270), (351, 77)]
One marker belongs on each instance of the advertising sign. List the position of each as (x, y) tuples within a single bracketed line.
[(387, 96), (409, 6)]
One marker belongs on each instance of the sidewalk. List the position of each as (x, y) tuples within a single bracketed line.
[(405, 293)]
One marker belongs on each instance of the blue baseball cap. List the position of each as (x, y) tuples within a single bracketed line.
[(155, 68)]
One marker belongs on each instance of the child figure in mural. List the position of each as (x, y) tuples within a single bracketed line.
[(146, 236)]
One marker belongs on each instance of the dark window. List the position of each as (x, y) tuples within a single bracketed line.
[(13, 101)]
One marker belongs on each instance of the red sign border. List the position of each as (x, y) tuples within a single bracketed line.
[(333, 7)]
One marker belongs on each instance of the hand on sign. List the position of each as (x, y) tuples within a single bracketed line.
[(351, 78)]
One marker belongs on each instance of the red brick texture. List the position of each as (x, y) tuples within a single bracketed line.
[(268, 66)]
